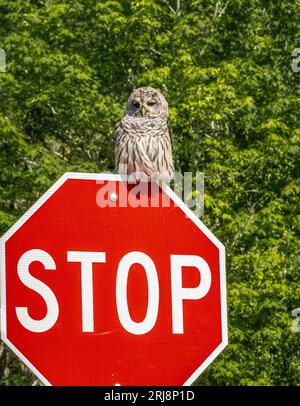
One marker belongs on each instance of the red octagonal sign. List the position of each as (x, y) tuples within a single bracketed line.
[(105, 284)]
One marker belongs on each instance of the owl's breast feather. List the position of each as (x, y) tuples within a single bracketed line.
[(139, 126)]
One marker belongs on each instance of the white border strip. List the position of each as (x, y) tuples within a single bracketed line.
[(26, 362), (2, 291), (103, 177), (51, 191)]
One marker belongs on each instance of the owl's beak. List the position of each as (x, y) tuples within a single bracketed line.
[(143, 111)]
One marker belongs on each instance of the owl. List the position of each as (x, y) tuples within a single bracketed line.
[(143, 148)]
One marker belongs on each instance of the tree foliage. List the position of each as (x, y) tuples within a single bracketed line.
[(225, 69)]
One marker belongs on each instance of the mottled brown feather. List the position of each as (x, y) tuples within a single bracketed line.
[(142, 143)]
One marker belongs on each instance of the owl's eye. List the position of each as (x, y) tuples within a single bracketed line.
[(150, 103), (136, 105)]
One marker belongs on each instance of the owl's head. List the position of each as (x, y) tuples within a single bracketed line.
[(148, 103)]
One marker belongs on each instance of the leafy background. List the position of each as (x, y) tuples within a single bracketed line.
[(225, 68)]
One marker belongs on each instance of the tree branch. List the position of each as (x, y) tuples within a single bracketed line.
[(169, 6), (219, 11), (178, 8)]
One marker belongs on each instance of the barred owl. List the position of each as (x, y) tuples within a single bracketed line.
[(142, 142)]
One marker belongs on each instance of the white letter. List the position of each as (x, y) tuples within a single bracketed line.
[(104, 193), (121, 293), (296, 321), (37, 326), (179, 293), (87, 259), (2, 60), (296, 61), (138, 195)]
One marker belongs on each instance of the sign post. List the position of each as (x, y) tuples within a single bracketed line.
[(102, 284)]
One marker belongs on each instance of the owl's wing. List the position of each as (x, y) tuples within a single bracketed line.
[(118, 135), (164, 158), (122, 161)]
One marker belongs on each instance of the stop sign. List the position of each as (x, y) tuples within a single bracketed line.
[(103, 283)]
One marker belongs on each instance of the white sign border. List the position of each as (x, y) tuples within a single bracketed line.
[(111, 177)]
